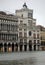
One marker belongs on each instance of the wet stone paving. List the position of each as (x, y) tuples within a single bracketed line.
[(25, 58), (19, 62)]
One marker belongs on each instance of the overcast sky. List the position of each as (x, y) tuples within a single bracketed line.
[(37, 5)]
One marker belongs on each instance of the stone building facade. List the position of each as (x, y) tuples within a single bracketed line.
[(8, 32), (42, 37), (19, 32)]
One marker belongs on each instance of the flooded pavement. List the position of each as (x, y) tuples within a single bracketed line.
[(23, 58), (29, 61)]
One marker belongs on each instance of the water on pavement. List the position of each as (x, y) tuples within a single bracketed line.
[(23, 58)]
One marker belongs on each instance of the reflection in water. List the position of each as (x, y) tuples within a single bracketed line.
[(29, 61)]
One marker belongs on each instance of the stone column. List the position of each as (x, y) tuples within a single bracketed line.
[(7, 46), (23, 48), (3, 48), (27, 47), (14, 48), (18, 48), (32, 47), (36, 47)]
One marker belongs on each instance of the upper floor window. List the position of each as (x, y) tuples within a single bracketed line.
[(20, 34), (25, 34), (30, 23), (22, 15), (34, 35), (34, 41), (37, 35), (20, 29), (30, 33), (29, 15), (21, 21), (25, 25), (25, 40), (38, 41), (33, 30), (21, 40), (25, 29), (37, 30)]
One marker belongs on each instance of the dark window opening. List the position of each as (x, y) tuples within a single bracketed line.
[(30, 33)]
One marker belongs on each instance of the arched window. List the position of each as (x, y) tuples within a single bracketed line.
[(22, 15), (30, 33)]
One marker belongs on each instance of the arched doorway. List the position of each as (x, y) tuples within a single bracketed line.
[(21, 47), (34, 47), (30, 45), (16, 47), (9, 47), (25, 47), (5, 47), (1, 47), (12, 47)]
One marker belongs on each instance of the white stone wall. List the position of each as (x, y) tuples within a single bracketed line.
[(24, 12), (30, 27)]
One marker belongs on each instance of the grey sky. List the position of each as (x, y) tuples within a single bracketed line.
[(37, 5)]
